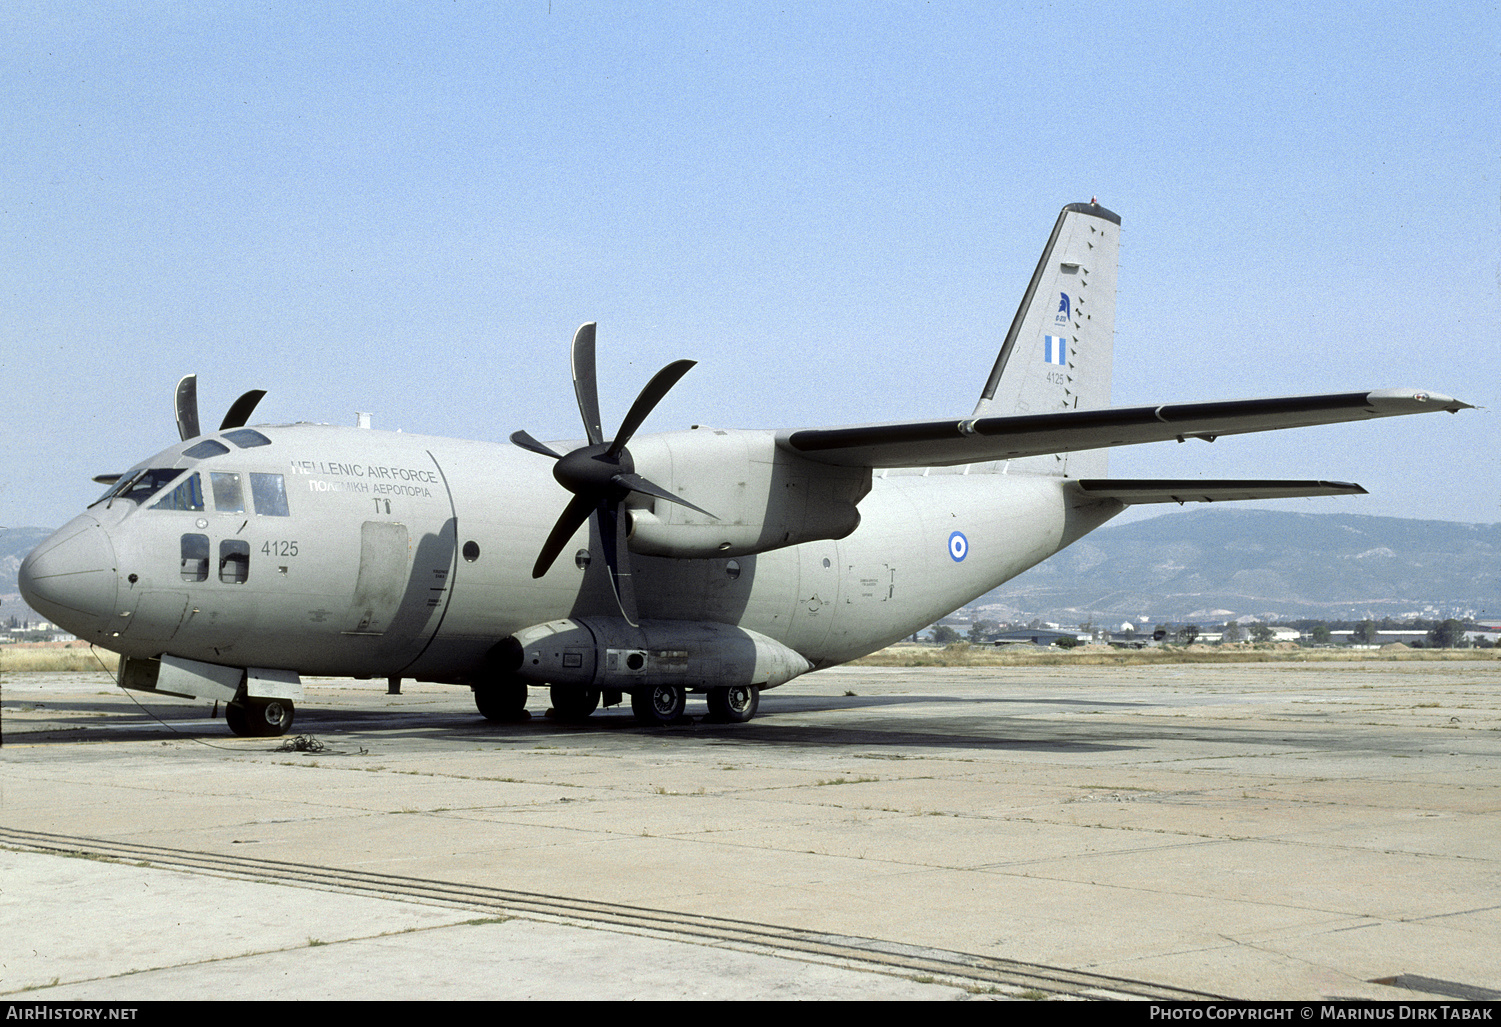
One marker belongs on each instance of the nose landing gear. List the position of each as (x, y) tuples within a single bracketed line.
[(259, 718)]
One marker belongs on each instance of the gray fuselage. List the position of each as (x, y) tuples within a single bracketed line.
[(390, 554)]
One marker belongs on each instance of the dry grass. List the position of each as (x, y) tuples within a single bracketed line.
[(962, 654), (54, 657)]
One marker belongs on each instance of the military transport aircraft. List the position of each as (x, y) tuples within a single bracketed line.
[(702, 561)]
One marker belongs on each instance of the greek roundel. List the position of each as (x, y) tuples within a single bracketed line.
[(958, 546)]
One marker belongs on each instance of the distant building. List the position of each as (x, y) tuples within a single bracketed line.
[(1037, 636)]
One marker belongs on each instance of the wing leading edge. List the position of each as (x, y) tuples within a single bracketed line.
[(978, 440)]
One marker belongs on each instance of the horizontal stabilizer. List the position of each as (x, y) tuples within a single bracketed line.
[(1200, 490), (977, 440)]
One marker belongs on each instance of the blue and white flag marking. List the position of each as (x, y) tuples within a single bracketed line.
[(958, 546), (1055, 349)]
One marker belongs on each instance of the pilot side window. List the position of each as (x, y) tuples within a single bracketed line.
[(187, 496), (228, 496), (270, 494), (234, 561), (194, 557)]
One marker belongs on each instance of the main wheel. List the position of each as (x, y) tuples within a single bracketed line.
[(570, 702), (501, 701), (734, 705), (659, 704)]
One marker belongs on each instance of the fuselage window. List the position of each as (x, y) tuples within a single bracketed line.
[(194, 557), (205, 449), (234, 561), (247, 438), (187, 496), (270, 494), (228, 496)]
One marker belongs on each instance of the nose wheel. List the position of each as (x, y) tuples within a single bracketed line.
[(259, 718)]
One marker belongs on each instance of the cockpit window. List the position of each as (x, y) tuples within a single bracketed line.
[(187, 496), (247, 438), (205, 449), (228, 496), (270, 494), (141, 485)]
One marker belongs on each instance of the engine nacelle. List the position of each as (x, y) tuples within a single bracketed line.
[(607, 652), (762, 497)]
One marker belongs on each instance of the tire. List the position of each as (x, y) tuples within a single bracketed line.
[(569, 702), (260, 718), (237, 720), (734, 705), (659, 704), (501, 702)]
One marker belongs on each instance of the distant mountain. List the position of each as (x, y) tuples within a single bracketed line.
[(1209, 565)]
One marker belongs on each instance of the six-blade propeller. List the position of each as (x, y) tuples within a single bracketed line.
[(187, 408), (602, 475), (186, 402)]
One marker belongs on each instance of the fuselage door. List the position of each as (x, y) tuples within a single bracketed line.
[(385, 550)]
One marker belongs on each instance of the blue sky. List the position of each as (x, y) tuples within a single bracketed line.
[(834, 207)]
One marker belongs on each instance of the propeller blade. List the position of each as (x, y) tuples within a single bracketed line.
[(187, 407), (614, 525), (574, 514), (241, 410), (636, 483), (585, 385), (600, 477), (658, 387), (526, 442)]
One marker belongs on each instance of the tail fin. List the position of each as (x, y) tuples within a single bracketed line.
[(1057, 355)]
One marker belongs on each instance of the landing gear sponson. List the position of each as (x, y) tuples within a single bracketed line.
[(582, 658)]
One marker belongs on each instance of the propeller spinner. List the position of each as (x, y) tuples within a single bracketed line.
[(601, 475)]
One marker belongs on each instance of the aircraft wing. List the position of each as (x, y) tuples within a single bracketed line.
[(1205, 490), (977, 440)]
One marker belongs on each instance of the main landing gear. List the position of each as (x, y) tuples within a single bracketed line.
[(572, 703), (659, 704), (502, 701), (663, 704), (734, 705), (653, 705), (259, 718)]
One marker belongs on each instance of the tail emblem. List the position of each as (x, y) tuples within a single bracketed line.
[(1063, 309)]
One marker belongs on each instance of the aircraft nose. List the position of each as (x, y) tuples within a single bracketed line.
[(71, 578)]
